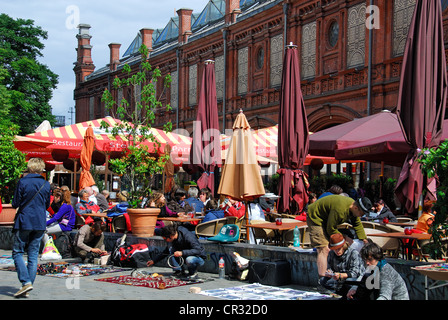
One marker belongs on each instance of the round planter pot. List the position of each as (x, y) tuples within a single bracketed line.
[(7, 215), (143, 221)]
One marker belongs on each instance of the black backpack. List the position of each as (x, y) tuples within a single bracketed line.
[(64, 245)]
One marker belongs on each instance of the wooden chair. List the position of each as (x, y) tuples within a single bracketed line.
[(119, 224), (368, 224), (264, 235), (422, 253), (404, 219), (389, 245), (79, 221), (210, 228)]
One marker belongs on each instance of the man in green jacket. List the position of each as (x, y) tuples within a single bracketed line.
[(323, 218)]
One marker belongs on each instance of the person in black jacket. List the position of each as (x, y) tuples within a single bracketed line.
[(181, 243), (383, 211)]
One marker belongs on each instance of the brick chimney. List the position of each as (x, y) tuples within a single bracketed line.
[(84, 64), (232, 10), (114, 56), (147, 37), (184, 24)]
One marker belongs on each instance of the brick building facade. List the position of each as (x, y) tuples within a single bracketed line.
[(246, 39)]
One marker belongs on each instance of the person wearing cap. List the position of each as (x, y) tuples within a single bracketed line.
[(387, 283), (344, 263), (326, 214)]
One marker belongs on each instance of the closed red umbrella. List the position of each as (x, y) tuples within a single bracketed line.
[(422, 95), (205, 152), (292, 138), (86, 179)]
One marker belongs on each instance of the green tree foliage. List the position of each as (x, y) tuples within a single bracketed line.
[(435, 164), (29, 82), (138, 165), (12, 162)]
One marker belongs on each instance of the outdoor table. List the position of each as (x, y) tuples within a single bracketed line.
[(401, 224), (277, 228), (405, 245), (438, 273), (102, 215), (180, 219)]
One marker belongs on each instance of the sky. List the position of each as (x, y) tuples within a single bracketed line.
[(111, 21)]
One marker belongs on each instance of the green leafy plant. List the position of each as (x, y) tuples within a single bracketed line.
[(139, 164), (434, 163), (12, 164)]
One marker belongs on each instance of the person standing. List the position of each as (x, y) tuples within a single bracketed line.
[(32, 198), (326, 214)]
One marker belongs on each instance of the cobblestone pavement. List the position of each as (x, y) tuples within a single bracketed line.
[(51, 288)]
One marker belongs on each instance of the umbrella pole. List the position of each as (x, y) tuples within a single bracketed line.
[(246, 213), (106, 173), (75, 171)]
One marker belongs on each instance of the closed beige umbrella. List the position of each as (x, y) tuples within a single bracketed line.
[(240, 177)]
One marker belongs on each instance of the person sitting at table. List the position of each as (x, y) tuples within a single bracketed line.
[(181, 243), (89, 241), (426, 220), (212, 212), (390, 285), (193, 199), (233, 208), (344, 263), (178, 204), (106, 195), (101, 199), (55, 200), (204, 195), (334, 189), (86, 206), (64, 219), (121, 207), (383, 211)]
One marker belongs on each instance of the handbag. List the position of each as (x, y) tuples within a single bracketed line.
[(20, 208)]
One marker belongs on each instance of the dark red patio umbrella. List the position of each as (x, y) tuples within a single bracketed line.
[(391, 149), (422, 95), (327, 141), (205, 152), (292, 147)]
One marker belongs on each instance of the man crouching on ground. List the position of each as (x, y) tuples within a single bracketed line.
[(182, 243)]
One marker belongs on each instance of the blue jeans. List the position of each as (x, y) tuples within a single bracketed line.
[(191, 262), (22, 238)]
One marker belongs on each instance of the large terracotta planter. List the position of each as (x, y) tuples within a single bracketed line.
[(143, 221), (7, 215)]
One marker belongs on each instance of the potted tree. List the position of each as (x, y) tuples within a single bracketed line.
[(139, 164)]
